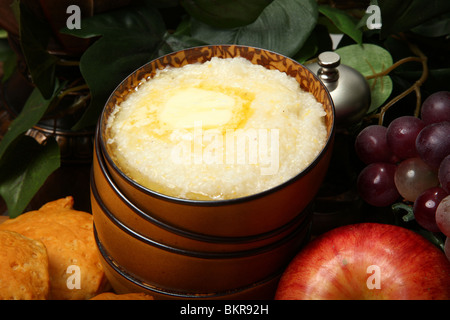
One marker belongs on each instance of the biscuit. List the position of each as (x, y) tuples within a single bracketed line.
[(75, 269), (23, 268), (123, 296)]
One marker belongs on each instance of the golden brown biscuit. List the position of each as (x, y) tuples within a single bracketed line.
[(23, 268), (74, 265), (123, 296)]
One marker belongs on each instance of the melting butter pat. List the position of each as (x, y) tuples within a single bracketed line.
[(189, 106)]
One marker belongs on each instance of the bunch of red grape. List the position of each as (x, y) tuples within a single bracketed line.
[(410, 160)]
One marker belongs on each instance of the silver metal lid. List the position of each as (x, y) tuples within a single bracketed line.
[(348, 88)]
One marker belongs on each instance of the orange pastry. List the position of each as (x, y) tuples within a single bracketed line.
[(75, 269), (23, 268)]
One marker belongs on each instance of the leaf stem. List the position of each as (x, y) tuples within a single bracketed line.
[(415, 87), (67, 63), (73, 89), (60, 96), (392, 67), (409, 216)]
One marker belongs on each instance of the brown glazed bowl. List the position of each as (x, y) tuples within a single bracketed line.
[(107, 199), (241, 217), (124, 282), (196, 272)]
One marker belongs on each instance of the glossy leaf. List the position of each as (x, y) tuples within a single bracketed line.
[(402, 15), (370, 59), (437, 79), (34, 37), (5, 49), (8, 57), (283, 26), (33, 110), (318, 41), (175, 42), (343, 22), (225, 13), (24, 164), (24, 170), (436, 27)]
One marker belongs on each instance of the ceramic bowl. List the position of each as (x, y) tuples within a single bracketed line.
[(107, 199), (196, 272), (181, 248), (123, 282), (240, 217)]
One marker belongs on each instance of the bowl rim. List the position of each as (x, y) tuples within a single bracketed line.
[(147, 286), (219, 202), (180, 231)]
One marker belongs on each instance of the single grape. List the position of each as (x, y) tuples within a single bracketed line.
[(412, 177), (433, 143), (444, 174), (443, 216), (376, 184), (447, 248), (401, 136), (425, 207), (436, 108), (371, 145)]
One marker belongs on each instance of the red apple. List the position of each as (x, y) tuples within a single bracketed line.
[(367, 261)]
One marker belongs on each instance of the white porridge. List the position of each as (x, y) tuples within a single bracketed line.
[(219, 130)]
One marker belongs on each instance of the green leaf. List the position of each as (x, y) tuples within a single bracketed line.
[(318, 41), (9, 66), (402, 15), (33, 110), (176, 42), (343, 21), (34, 37), (437, 79), (5, 50), (436, 27), (370, 59), (283, 26), (225, 13), (24, 170), (127, 39), (9, 59)]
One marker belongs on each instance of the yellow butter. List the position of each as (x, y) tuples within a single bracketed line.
[(192, 105)]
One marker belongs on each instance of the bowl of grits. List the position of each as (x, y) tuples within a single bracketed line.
[(220, 140), (207, 162)]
